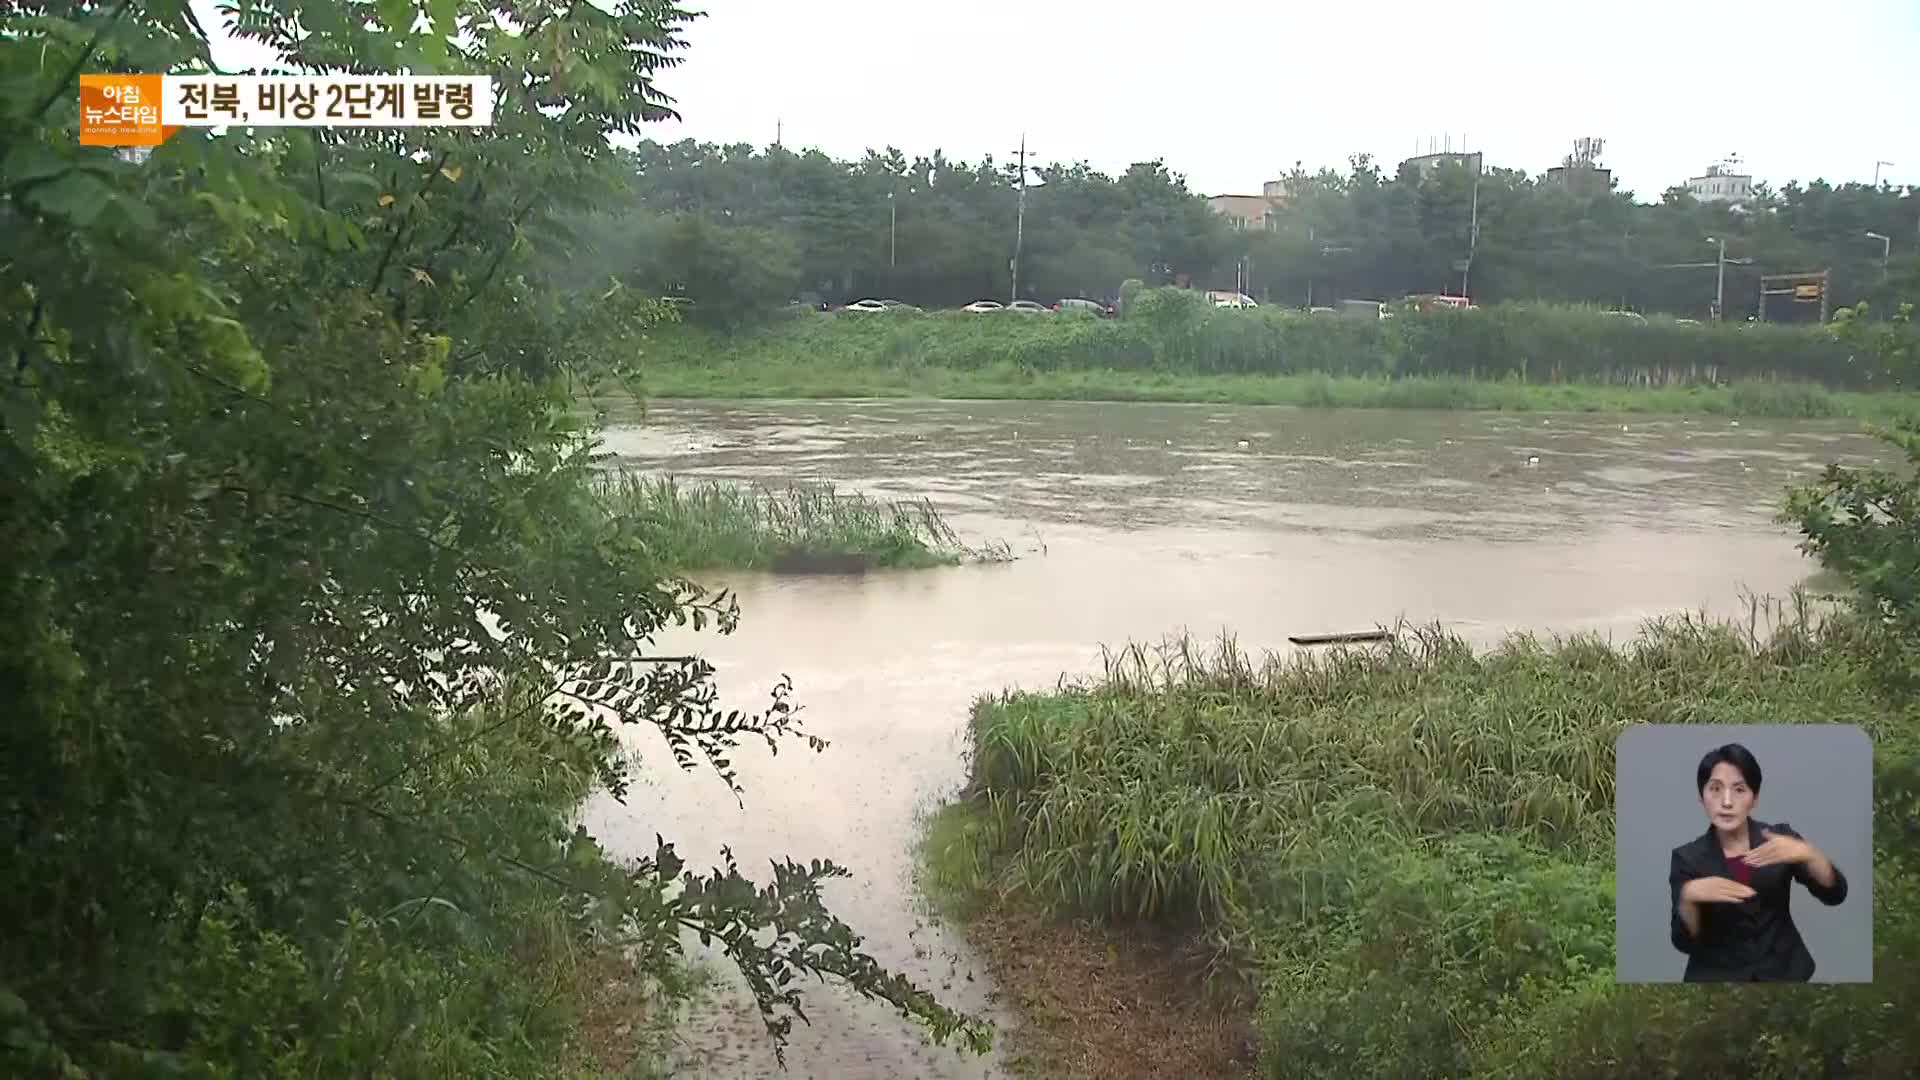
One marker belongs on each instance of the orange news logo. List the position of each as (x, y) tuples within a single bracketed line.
[(121, 110)]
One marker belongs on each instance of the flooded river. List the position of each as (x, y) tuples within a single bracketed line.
[(1134, 522)]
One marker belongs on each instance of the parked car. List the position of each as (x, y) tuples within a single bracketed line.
[(1028, 306), (1226, 298), (1688, 322), (866, 305), (1321, 311), (901, 307), (1423, 302), (980, 307), (1628, 315), (1091, 307)]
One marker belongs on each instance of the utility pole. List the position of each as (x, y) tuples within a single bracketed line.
[(1473, 232), (1311, 266), (1720, 282), (777, 126), (1719, 266), (1020, 219), (893, 220), (1876, 173), (1720, 277)]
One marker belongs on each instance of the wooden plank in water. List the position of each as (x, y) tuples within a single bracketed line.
[(1341, 639)]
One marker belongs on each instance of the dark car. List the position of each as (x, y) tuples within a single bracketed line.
[(1090, 307)]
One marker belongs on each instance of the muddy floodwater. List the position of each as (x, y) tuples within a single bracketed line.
[(1133, 522)]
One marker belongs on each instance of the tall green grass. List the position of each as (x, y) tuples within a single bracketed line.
[(1311, 390), (719, 525), (1793, 370), (1408, 848)]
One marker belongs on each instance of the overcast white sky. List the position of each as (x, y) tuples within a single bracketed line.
[(1234, 94)]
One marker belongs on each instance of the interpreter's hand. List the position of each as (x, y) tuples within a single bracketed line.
[(1779, 848), (1715, 890)]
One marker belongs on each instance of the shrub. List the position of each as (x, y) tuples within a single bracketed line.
[(1788, 369)]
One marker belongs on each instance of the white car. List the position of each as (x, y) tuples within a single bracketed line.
[(982, 306), (1031, 307), (865, 305), (1226, 299)]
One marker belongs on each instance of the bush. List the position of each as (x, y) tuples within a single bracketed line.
[(1409, 850), (1790, 368), (1427, 946), (703, 526)]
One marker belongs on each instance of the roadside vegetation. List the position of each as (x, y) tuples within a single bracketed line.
[(1397, 861), (315, 633), (702, 526), (741, 230), (1170, 346)]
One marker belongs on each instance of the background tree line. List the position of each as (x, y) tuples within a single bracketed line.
[(741, 230)]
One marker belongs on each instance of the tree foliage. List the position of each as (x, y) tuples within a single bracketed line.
[(937, 232), (314, 633), (1864, 523)]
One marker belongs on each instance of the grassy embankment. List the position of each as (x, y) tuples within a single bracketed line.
[(727, 526), (1392, 862), (1520, 358)]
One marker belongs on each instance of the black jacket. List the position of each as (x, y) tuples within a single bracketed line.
[(1754, 940)]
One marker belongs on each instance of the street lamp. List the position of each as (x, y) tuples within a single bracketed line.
[(893, 219), (1886, 247)]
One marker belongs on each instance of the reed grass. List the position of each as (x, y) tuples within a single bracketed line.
[(695, 526), (1408, 847), (826, 378), (1168, 788), (1517, 357)]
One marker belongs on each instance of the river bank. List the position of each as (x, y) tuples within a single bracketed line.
[(1304, 828), (1006, 382), (1513, 358)]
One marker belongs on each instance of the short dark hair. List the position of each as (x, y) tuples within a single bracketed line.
[(1732, 754)]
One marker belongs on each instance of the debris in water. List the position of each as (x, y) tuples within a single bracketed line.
[(1244, 444), (1736, 423), (1340, 639), (1534, 460)]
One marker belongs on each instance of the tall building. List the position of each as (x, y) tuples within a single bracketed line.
[(1250, 211), (1724, 182), (1428, 164), (1580, 172)]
